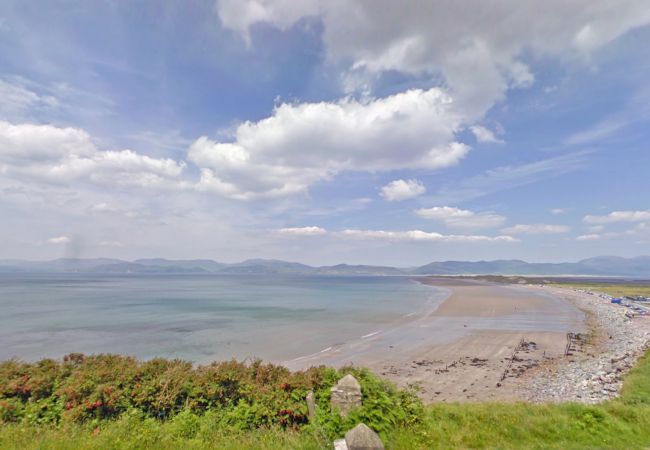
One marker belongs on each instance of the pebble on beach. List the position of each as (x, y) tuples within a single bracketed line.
[(596, 376)]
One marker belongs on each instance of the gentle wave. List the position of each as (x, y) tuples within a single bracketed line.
[(370, 334)]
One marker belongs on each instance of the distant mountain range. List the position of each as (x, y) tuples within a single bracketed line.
[(638, 267)]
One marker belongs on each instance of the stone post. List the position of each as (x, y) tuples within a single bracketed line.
[(360, 437), (345, 395), (311, 406)]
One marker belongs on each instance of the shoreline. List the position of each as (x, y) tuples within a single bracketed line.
[(593, 370), (352, 351), (462, 349), (474, 340)]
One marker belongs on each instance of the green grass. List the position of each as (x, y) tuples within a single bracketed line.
[(613, 289), (132, 432), (623, 423)]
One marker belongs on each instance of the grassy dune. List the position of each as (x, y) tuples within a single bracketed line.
[(617, 424)]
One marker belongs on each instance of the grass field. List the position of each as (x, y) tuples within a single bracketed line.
[(613, 289), (617, 424)]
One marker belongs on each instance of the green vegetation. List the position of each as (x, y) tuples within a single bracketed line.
[(118, 402), (121, 396), (613, 289)]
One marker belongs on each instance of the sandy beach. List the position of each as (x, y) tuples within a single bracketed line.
[(463, 349)]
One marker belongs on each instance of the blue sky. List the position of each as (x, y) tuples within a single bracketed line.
[(325, 132)]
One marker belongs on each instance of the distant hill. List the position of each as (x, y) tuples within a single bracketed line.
[(601, 266), (204, 265), (638, 267), (127, 267), (58, 265), (346, 269), (266, 266)]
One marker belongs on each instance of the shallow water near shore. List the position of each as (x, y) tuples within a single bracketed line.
[(200, 317)]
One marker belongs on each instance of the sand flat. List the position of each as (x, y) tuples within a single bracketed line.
[(473, 298), (463, 349)]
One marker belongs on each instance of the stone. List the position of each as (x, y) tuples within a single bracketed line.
[(311, 406), (362, 437), (340, 444), (345, 395)]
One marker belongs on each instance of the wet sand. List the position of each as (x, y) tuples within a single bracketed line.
[(471, 347)]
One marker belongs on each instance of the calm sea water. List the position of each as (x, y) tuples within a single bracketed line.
[(198, 317)]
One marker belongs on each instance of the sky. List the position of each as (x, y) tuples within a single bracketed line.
[(356, 131)]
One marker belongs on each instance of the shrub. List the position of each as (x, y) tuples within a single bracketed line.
[(90, 389)]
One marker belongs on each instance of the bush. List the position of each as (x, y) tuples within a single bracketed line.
[(90, 389)]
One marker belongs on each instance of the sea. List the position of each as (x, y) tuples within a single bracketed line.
[(201, 318)]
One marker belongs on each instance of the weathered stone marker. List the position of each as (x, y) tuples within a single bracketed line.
[(311, 406), (360, 437), (345, 395)]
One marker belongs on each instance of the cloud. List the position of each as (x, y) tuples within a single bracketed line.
[(588, 237), (640, 229), (117, 244), (485, 135), (18, 99), (103, 207), (476, 46), (302, 231), (59, 240), (558, 211), (355, 204), (51, 154), (300, 144), (399, 190), (421, 236), (397, 236), (635, 111), (537, 228), (599, 132), (619, 216), (461, 218), (27, 143), (25, 99), (508, 177)]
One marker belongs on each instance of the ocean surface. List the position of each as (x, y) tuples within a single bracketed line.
[(201, 318)]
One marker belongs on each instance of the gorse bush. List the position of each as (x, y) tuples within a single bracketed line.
[(89, 389)]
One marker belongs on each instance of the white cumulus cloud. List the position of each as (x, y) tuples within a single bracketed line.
[(27, 143), (461, 218), (62, 155), (476, 46), (300, 144), (399, 190)]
